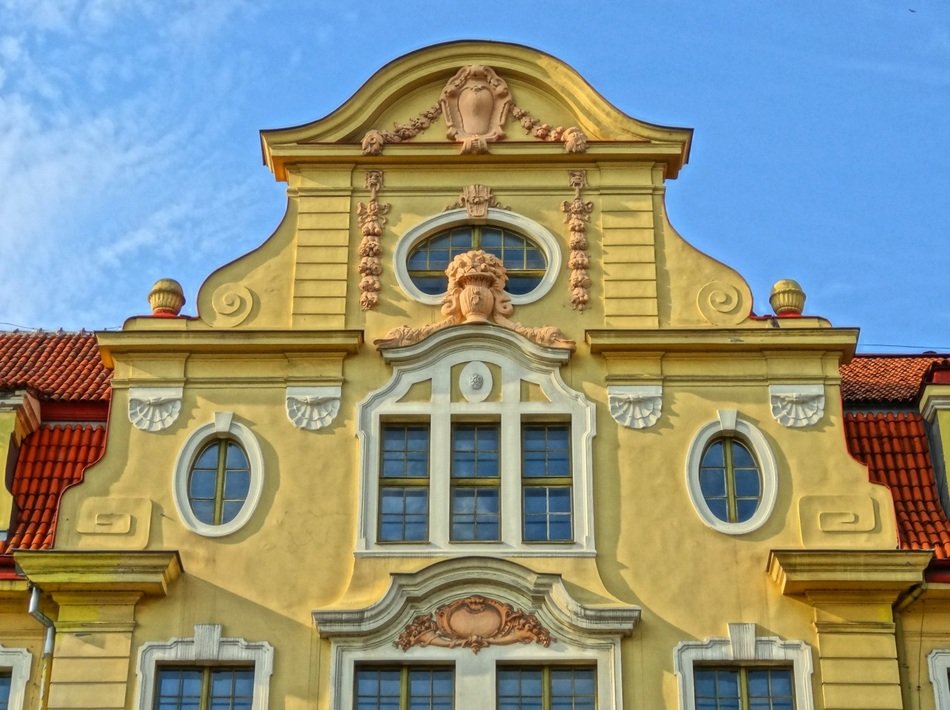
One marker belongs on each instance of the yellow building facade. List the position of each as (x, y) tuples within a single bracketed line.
[(475, 427)]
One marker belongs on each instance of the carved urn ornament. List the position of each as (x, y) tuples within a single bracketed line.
[(476, 295), (166, 298), (787, 298)]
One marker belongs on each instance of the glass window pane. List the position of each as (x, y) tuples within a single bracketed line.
[(235, 458), (741, 456), (745, 509), (712, 482), (203, 510), (747, 483), (236, 485)]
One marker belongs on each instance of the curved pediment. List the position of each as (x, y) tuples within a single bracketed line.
[(474, 97)]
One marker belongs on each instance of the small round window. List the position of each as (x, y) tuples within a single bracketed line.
[(219, 482), (729, 480), (523, 259)]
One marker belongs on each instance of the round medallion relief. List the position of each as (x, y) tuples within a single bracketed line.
[(475, 381)]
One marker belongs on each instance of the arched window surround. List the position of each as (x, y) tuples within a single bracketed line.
[(222, 427), (730, 424), (455, 218)]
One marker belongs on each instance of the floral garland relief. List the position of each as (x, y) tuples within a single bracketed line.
[(476, 295), (372, 217), (577, 215), (474, 622), (475, 104)]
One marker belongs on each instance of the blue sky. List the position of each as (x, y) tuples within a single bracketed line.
[(129, 145)]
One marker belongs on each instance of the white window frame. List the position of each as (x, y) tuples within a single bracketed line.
[(938, 663), (222, 427), (730, 423), (743, 649), (456, 218), (581, 634), (206, 649), (18, 661), (518, 359)]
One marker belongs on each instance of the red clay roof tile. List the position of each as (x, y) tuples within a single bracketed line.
[(51, 459), (885, 379), (907, 470), (56, 366)]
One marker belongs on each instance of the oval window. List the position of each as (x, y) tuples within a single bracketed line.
[(524, 260), (729, 480), (219, 482)]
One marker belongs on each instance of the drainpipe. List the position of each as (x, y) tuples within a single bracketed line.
[(47, 644)]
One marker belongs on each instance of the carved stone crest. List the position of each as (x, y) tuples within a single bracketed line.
[(154, 408), (476, 295), (475, 105), (635, 406), (474, 622), (797, 406)]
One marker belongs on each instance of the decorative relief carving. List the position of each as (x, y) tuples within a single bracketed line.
[(313, 408), (371, 217), (476, 294), (797, 405), (573, 138), (826, 518), (721, 303), (635, 406), (476, 199), (577, 215), (475, 104), (154, 408), (474, 622), (233, 303), (113, 522), (374, 140), (475, 382)]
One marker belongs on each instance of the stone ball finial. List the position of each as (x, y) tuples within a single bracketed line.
[(787, 298), (166, 298)]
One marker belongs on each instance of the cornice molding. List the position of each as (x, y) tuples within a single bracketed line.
[(807, 571), (725, 340), (148, 572)]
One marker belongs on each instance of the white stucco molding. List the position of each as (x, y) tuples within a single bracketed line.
[(729, 423), (207, 647), (541, 236), (635, 406), (516, 361), (581, 633), (313, 408), (797, 405), (938, 662), (154, 408), (743, 647), (19, 662)]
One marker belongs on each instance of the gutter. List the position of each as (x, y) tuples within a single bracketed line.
[(35, 612)]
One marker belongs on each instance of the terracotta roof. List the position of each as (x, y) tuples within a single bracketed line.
[(885, 379), (51, 459), (896, 450), (55, 366)]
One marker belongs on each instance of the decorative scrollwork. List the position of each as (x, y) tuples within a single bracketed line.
[(476, 199), (576, 216), (476, 294), (372, 217), (233, 304), (154, 408), (475, 623), (721, 303), (635, 406), (797, 406), (313, 408), (475, 104)]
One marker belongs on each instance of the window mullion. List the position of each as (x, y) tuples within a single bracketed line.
[(205, 701), (219, 481), (733, 511)]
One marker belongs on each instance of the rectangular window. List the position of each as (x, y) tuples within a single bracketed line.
[(404, 688), (763, 688), (6, 682), (476, 482), (547, 688), (546, 482), (404, 483), (209, 688)]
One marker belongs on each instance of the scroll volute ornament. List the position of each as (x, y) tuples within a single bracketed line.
[(475, 622), (475, 104)]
